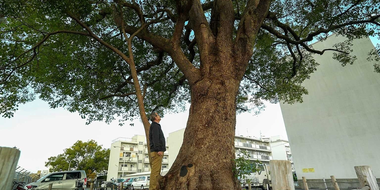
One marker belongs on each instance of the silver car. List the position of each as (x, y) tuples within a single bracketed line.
[(70, 180)]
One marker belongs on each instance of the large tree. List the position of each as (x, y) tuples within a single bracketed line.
[(222, 56), (88, 156)]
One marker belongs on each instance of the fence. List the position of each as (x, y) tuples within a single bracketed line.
[(23, 175), (281, 179)]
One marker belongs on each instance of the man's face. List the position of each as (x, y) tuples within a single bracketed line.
[(158, 118)]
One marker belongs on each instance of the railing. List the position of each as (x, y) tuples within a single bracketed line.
[(263, 157), (252, 146), (127, 159), (263, 147)]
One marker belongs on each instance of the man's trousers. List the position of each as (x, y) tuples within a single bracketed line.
[(155, 170)]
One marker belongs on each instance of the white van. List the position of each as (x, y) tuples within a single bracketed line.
[(141, 182)]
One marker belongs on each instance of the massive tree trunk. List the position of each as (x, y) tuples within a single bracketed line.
[(205, 160)]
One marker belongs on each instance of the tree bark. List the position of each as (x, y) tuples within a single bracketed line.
[(205, 160)]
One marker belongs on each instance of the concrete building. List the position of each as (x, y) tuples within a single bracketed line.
[(337, 126), (128, 156), (258, 149)]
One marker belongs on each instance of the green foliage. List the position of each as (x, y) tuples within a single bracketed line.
[(45, 52), (88, 156), (245, 166)]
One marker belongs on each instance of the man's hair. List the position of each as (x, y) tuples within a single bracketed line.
[(153, 116)]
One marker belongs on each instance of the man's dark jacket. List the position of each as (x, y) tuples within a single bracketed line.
[(156, 138)]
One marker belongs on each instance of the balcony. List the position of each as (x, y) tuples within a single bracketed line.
[(128, 170), (264, 158), (127, 159), (249, 146)]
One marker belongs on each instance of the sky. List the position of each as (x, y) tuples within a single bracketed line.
[(40, 132)]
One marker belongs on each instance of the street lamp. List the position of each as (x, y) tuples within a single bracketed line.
[(137, 163), (68, 169)]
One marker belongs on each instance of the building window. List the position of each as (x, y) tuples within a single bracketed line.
[(146, 165), (165, 157), (140, 152), (164, 166), (139, 170), (141, 143), (140, 161)]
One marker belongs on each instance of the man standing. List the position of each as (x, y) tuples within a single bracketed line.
[(157, 149)]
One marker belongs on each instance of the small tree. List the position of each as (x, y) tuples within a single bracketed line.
[(88, 156), (244, 167)]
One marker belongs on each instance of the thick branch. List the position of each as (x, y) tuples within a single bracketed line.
[(177, 53), (251, 21), (202, 31), (223, 18)]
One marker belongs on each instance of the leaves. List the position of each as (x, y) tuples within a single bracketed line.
[(245, 166), (64, 52)]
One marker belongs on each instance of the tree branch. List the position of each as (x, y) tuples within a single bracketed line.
[(257, 82), (91, 34), (222, 23), (137, 9), (253, 17)]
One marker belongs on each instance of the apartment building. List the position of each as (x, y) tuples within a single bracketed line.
[(258, 149), (128, 156)]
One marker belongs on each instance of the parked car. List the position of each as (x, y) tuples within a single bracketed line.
[(61, 180), (106, 184), (127, 183), (141, 182), (30, 185)]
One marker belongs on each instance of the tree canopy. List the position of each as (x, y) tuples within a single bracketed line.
[(88, 156), (70, 53)]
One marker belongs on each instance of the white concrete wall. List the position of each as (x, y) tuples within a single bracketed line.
[(113, 164), (337, 126), (175, 140), (278, 150), (8, 163)]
